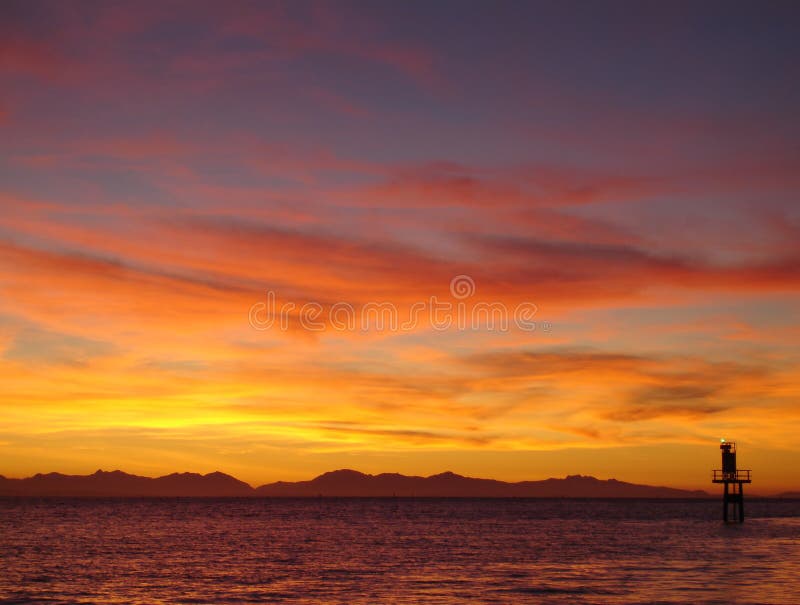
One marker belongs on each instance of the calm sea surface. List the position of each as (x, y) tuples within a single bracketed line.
[(396, 551)]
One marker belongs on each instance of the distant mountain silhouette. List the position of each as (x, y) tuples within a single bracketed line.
[(341, 483), (117, 483), (347, 482)]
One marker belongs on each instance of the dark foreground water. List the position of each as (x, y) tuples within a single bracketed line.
[(396, 551)]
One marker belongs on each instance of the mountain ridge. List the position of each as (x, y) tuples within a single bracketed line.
[(119, 483), (350, 483), (337, 483)]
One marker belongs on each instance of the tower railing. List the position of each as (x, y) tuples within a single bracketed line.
[(722, 476)]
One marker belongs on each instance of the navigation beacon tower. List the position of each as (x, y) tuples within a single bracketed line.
[(732, 479)]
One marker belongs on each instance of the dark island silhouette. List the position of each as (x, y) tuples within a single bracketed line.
[(340, 483)]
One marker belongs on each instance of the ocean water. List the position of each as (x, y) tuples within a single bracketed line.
[(395, 551)]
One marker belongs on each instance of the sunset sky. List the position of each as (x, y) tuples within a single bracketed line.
[(627, 172)]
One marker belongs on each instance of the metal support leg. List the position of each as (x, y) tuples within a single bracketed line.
[(725, 504), (741, 503)]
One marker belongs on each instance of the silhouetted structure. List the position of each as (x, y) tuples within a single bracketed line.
[(733, 480)]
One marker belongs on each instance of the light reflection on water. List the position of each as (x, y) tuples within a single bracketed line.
[(396, 551)]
